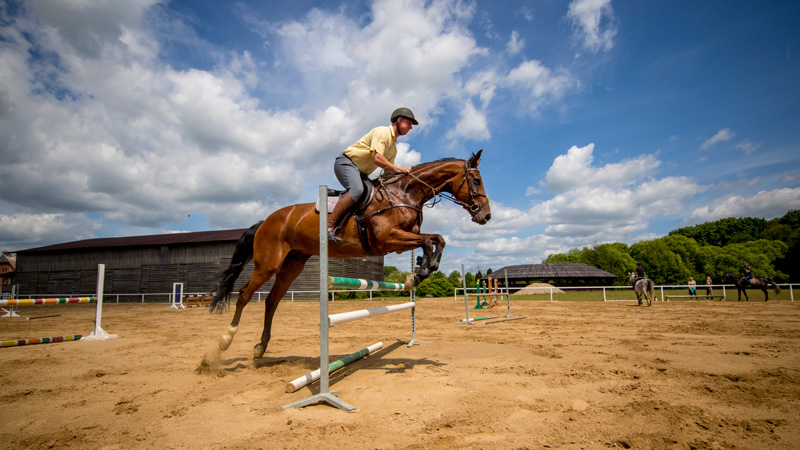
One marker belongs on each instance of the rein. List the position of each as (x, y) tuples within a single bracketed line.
[(436, 197)]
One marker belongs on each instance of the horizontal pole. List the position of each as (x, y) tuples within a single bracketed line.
[(479, 318), (45, 301), (305, 380), (362, 285), (333, 319), (47, 340), (487, 295), (505, 319)]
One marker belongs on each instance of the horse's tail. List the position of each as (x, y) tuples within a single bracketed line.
[(777, 288), (242, 254), (651, 289)]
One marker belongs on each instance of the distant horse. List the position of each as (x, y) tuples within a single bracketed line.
[(643, 287), (281, 244), (759, 283)]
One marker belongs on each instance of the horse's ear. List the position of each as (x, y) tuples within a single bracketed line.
[(476, 159)]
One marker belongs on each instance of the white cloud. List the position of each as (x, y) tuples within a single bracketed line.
[(748, 147), (525, 13), (471, 125), (722, 135), (515, 44), (594, 23), (766, 204), (145, 143), (575, 169), (531, 190), (17, 229), (542, 84), (788, 177)]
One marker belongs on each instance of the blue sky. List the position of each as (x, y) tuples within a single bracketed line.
[(600, 120)]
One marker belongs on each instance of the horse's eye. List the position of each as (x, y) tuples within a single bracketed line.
[(478, 181)]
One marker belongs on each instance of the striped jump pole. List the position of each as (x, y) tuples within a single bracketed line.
[(341, 283), (479, 318), (47, 340), (305, 380), (46, 301)]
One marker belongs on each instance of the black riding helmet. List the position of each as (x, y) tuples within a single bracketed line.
[(404, 112)]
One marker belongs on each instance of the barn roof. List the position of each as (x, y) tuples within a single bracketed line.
[(155, 240), (553, 271)]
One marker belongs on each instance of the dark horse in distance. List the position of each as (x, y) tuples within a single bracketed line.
[(758, 283), (281, 244)]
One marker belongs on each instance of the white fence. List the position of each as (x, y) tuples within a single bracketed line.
[(608, 291), (458, 293)]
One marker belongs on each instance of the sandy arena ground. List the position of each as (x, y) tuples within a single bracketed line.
[(573, 375)]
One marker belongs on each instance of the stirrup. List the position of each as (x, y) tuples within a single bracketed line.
[(334, 238)]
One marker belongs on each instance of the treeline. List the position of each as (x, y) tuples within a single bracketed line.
[(771, 247)]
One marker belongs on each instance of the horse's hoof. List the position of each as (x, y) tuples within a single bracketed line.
[(226, 339), (258, 351), (410, 283)]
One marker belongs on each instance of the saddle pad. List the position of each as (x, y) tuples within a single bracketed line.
[(331, 203)]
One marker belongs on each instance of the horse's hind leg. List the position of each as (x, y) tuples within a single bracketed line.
[(259, 277), (291, 268)]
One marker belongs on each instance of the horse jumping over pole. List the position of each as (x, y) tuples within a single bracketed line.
[(644, 287), (281, 244), (758, 283)]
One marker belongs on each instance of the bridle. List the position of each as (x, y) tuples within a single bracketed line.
[(473, 207)]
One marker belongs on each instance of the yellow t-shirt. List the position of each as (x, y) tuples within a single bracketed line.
[(381, 140)]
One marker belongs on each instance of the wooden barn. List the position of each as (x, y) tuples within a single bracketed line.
[(151, 264), (558, 274)]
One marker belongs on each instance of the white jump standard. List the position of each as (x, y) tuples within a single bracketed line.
[(326, 321)]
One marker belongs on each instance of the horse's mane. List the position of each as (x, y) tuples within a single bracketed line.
[(388, 175), (425, 164)]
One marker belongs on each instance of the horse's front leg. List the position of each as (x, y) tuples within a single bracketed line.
[(399, 240), (438, 250), (423, 270)]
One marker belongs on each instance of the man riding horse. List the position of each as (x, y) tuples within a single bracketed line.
[(640, 274), (375, 150), (748, 275)]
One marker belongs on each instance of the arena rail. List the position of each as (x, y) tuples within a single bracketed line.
[(326, 321)]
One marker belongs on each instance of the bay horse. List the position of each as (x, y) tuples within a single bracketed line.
[(644, 287), (281, 244), (759, 283)]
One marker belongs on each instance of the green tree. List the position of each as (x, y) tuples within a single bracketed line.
[(435, 287), (791, 218), (759, 254), (663, 266), (688, 251), (455, 278), (725, 231), (470, 280), (613, 258)]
